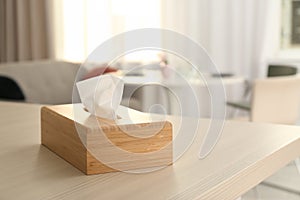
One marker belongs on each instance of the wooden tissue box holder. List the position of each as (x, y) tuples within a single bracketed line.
[(80, 141)]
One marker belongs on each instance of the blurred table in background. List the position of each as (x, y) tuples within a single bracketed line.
[(147, 88)]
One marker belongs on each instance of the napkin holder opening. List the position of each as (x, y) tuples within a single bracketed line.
[(59, 133)]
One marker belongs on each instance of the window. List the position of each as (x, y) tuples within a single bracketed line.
[(295, 36), (290, 24), (85, 24)]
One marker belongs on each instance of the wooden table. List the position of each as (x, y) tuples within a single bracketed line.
[(246, 154)]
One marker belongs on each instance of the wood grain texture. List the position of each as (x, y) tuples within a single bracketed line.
[(246, 154), (95, 145)]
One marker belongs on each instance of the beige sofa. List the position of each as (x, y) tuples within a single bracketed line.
[(45, 81), (51, 82)]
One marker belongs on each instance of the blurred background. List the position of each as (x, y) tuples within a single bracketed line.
[(43, 43)]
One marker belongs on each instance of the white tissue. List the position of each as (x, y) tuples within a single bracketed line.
[(101, 95)]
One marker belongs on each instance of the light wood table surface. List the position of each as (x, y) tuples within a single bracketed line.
[(246, 154)]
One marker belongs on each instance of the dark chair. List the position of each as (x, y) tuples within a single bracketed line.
[(10, 90), (281, 70), (273, 71)]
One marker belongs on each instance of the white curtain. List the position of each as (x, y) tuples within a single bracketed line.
[(239, 35)]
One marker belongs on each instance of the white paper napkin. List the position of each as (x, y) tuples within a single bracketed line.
[(101, 95)]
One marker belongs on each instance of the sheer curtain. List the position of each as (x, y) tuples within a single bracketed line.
[(23, 35), (240, 35)]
